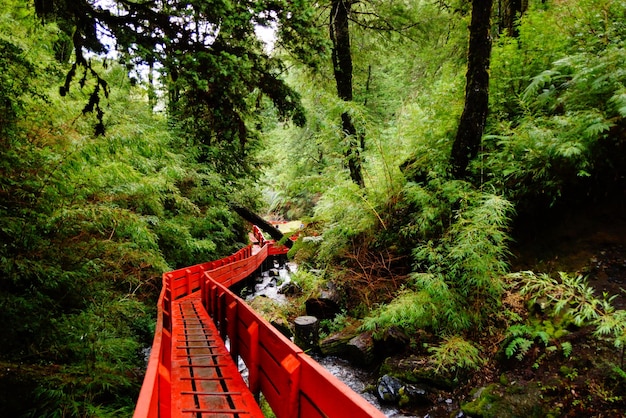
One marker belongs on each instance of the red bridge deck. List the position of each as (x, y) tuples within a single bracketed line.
[(191, 373), (206, 378)]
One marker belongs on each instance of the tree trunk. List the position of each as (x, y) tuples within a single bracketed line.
[(255, 219), (474, 116), (510, 11), (342, 67)]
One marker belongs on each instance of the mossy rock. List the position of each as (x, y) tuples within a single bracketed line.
[(416, 370), (497, 401)]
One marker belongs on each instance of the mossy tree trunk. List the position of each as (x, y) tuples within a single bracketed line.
[(342, 68), (474, 116), (510, 11)]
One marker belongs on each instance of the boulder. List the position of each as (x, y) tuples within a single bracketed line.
[(393, 390), (392, 341), (322, 308), (290, 289), (360, 350), (282, 326), (337, 343)]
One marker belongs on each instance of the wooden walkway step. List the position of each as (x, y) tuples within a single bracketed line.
[(205, 380)]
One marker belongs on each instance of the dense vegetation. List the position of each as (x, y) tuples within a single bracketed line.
[(117, 167)]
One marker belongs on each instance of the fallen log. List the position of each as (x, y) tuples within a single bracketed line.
[(265, 226)]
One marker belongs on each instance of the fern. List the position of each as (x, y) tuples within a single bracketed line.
[(519, 347), (409, 311), (463, 267), (567, 349), (574, 300), (455, 354)]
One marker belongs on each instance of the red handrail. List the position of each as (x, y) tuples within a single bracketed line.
[(293, 384)]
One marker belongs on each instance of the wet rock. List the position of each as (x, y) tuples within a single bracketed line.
[(274, 273), (393, 390), (282, 326), (360, 350), (337, 343), (322, 308), (497, 401), (392, 341), (290, 289), (330, 293), (415, 369)]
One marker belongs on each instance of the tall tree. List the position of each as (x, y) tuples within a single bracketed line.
[(208, 51), (342, 69), (510, 11), (474, 116)]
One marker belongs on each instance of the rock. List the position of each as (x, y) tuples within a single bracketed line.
[(503, 402), (330, 293), (322, 308), (282, 326), (388, 389), (360, 350), (306, 332), (394, 390), (290, 289), (392, 341), (337, 343), (415, 369)]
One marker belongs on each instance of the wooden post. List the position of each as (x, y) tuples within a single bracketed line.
[(254, 382), (231, 316), (306, 335)]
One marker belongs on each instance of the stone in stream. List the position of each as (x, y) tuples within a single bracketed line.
[(290, 289), (393, 390), (337, 344), (306, 332), (361, 350)]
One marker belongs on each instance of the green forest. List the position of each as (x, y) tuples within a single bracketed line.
[(459, 165)]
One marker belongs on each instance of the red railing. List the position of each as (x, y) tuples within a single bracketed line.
[(293, 384)]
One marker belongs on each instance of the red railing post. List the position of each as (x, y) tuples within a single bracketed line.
[(165, 383), (221, 313), (292, 365), (231, 317), (188, 281), (254, 383)]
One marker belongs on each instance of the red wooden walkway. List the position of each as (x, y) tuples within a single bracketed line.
[(191, 373)]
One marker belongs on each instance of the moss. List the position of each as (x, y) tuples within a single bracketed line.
[(504, 380), (496, 401), (415, 370)]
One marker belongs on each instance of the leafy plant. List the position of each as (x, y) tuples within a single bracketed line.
[(409, 310), (572, 299), (456, 355)]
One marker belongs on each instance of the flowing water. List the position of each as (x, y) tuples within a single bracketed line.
[(359, 380), (269, 285)]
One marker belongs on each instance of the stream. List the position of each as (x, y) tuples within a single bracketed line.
[(269, 285)]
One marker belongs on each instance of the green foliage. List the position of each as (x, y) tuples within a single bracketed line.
[(331, 326), (309, 283), (410, 311), (520, 338), (456, 355), (460, 245), (90, 223), (462, 268), (572, 299), (347, 213), (558, 104)]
